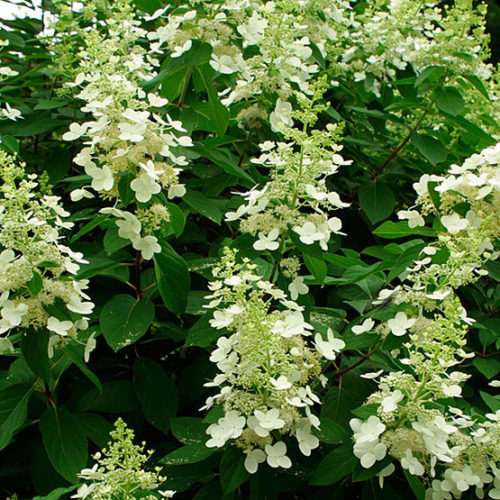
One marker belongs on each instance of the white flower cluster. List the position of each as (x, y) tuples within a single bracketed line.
[(417, 34), (451, 450), (296, 197), (282, 35), (265, 367), (128, 145), (36, 268), (5, 73)]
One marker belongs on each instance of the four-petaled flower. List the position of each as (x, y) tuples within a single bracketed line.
[(400, 323)]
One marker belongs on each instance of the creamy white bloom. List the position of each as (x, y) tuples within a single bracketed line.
[(102, 178), (253, 459), (59, 327), (147, 245), (328, 348), (400, 324), (75, 131), (410, 463), (281, 116), (144, 187), (413, 216), (308, 233), (454, 223), (267, 242), (276, 455), (180, 49), (297, 287), (364, 327), (390, 403)]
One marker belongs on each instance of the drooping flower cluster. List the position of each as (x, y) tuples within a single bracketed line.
[(265, 367), (296, 197), (131, 153), (38, 288), (119, 471), (452, 450)]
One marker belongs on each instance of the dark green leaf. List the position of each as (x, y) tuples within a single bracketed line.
[(376, 200), (449, 100), (173, 278), (34, 346), (189, 430), (201, 333), (13, 410), (64, 441), (232, 469), (218, 112), (156, 392), (392, 230), (177, 219), (124, 320), (203, 206), (416, 485), (430, 148), (337, 464), (189, 454)]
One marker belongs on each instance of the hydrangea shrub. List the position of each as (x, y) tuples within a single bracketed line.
[(262, 237)]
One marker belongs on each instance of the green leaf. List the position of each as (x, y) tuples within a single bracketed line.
[(405, 259), (201, 333), (331, 432), (218, 112), (224, 160), (189, 454), (148, 6), (64, 442), (35, 284), (493, 402), (112, 242), (34, 346), (88, 227), (489, 367), (13, 410), (392, 230), (449, 100), (96, 427), (366, 411), (51, 103), (317, 266), (177, 219), (75, 352), (9, 144), (189, 430), (124, 190), (416, 485), (477, 82), (376, 200), (117, 396), (124, 320), (232, 469), (173, 279), (203, 206), (431, 73), (156, 392), (430, 148), (57, 493), (337, 464)]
